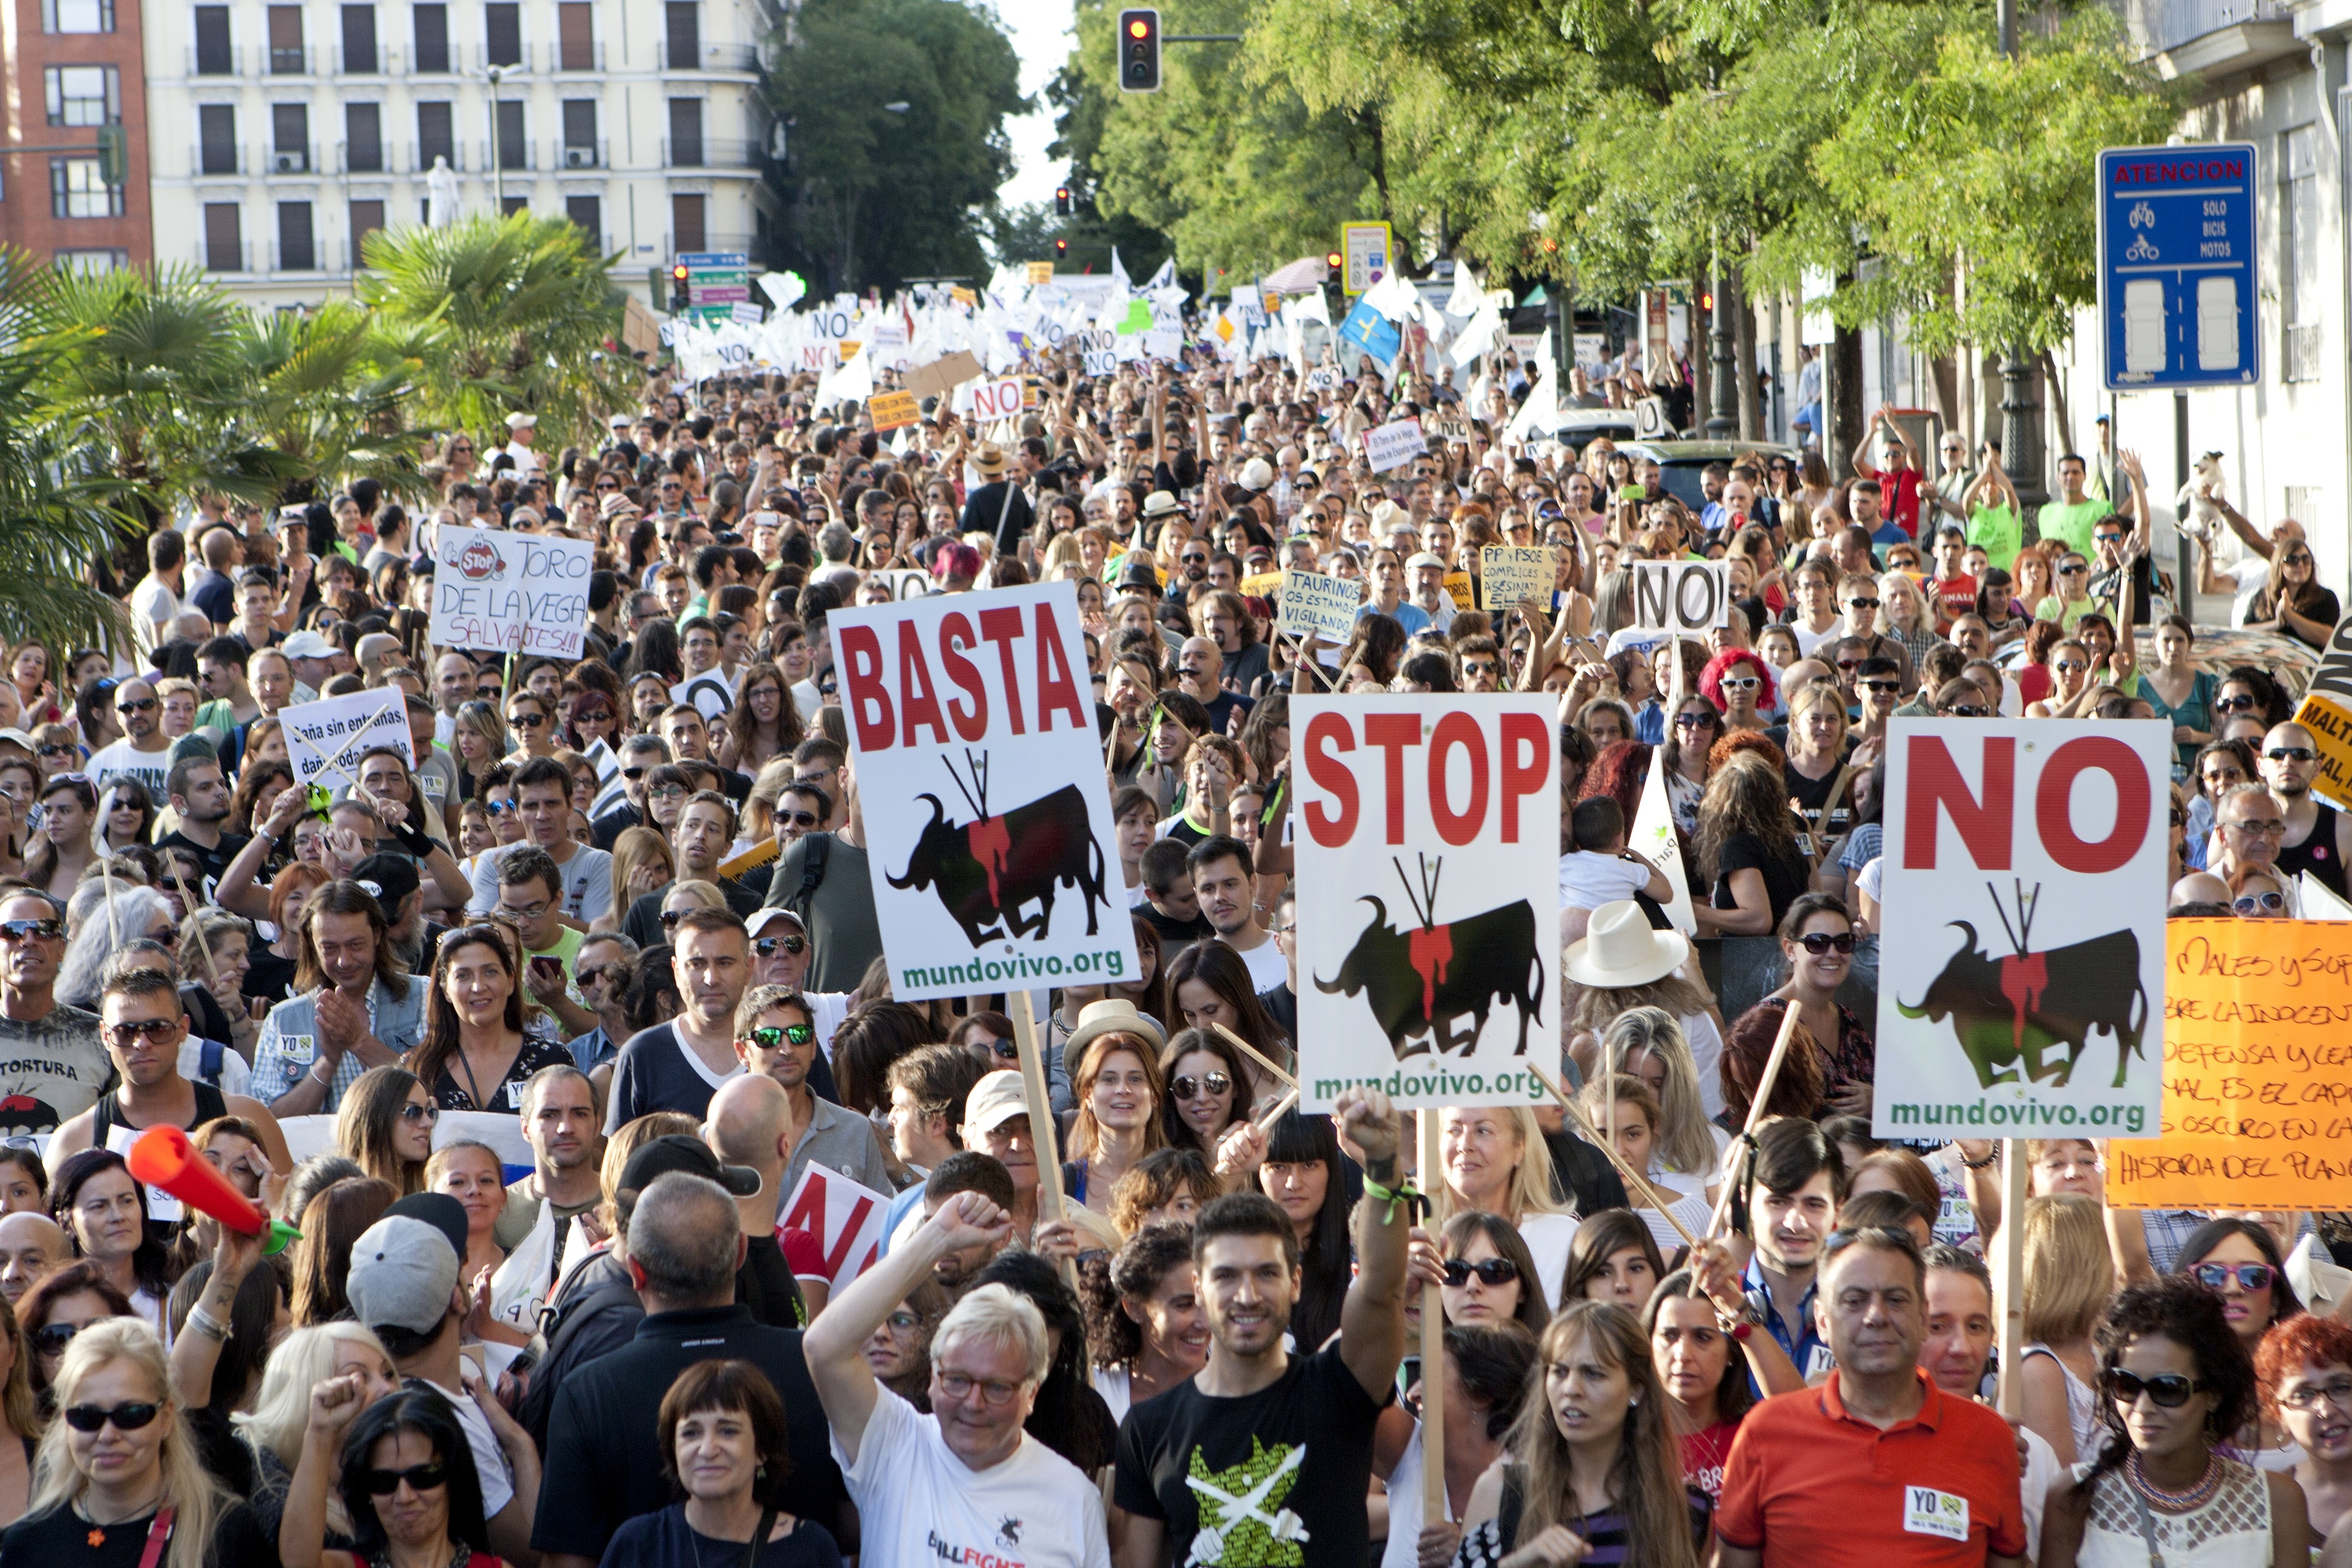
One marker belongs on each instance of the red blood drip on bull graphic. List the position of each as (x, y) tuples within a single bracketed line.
[(991, 841), (2023, 977), (1429, 951)]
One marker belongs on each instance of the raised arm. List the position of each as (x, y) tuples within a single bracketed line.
[(837, 1362), (1371, 1320)]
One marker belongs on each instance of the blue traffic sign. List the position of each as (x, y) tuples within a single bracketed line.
[(2177, 302)]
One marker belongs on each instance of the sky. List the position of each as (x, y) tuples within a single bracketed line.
[(1040, 30)]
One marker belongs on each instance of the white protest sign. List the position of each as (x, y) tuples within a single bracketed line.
[(1446, 810), (987, 820), (1510, 573), (511, 592), (993, 400), (1394, 444), (2022, 960), (1680, 595), (846, 1219), (904, 581), (1317, 606), (326, 739), (1654, 838), (500, 1128)]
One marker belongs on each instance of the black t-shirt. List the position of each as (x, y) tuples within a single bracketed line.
[(2104, 586), (1814, 794), (213, 862), (604, 1448), (62, 1539), (664, 1539), (609, 827), (643, 925), (1783, 880), (765, 1284), (1245, 668), (1174, 933), (1221, 711), (1297, 1453), (266, 976)]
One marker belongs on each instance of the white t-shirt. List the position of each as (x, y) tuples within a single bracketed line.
[(1808, 639), (123, 760), (1266, 965), (153, 603), (923, 1506), (587, 882), (489, 1459), (1589, 878), (1548, 1237), (1705, 1042), (2251, 574), (1402, 1550)]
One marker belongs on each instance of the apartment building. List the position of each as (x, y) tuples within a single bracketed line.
[(281, 134), (72, 67)]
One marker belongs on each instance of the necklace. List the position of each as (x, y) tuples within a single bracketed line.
[(100, 1527), (2195, 1498)]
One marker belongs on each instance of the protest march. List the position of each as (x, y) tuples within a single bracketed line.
[(1055, 925)]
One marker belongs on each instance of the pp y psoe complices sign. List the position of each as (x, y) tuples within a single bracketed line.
[(1428, 919), (2021, 954), (980, 785)]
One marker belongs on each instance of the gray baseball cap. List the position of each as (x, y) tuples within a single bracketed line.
[(404, 1267)]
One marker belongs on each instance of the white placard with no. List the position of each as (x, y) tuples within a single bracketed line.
[(996, 399), (1680, 595)]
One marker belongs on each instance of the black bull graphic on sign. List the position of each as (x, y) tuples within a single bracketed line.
[(1419, 981), (2007, 1011), (990, 869)]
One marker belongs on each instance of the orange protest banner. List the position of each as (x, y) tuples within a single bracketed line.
[(892, 410), (2257, 1072)]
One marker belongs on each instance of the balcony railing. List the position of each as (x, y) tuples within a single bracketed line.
[(298, 60), (2161, 27), (511, 157), (712, 152), (595, 154), (291, 161), (710, 57)]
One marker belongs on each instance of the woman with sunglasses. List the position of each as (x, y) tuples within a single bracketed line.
[(59, 1306), (2292, 602), (2071, 688), (2239, 1261), (1208, 1090), (1489, 1274), (2219, 767), (593, 717), (2259, 893), (385, 1125), (2305, 1366), (530, 721), (126, 813), (2173, 1380), (119, 1480), (1741, 688), (407, 1480), (1817, 943)]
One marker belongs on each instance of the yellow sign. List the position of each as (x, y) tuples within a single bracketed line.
[(1510, 573), (1041, 273), (1465, 595), (1266, 585), (2257, 1072), (961, 295), (1366, 255), (891, 410), (2326, 712)]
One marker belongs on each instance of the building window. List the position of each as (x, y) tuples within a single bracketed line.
[(363, 138), (82, 95), (684, 43), (2303, 307), (287, 54), (686, 133), (91, 261), (588, 214), (509, 205), (579, 133), (298, 251), (359, 41), (685, 223), (366, 218), (213, 55), (436, 137), (502, 33), (289, 139), (223, 239), (216, 139), (432, 38), (514, 146), (575, 29), (76, 190), (77, 15)]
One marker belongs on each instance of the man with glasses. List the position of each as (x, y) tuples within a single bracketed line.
[(229, 704), (543, 800), (2251, 821), (144, 751), (775, 1036), (640, 755), (1897, 479), (1878, 686), (2123, 554), (2317, 837), (57, 1067), (1814, 615), (803, 808), (142, 1022), (529, 899)]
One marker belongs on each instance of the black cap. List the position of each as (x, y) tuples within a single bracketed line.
[(677, 1151), (390, 879), (439, 1210)]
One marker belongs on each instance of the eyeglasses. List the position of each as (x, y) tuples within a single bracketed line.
[(2309, 1396), (126, 1418), (2069, 665), (1697, 721), (591, 977), (1489, 1271), (800, 819), (420, 1114), (497, 807), (136, 705), (420, 1478), (25, 930), (766, 946), (525, 720), (527, 912), (2075, 570), (2238, 704), (2290, 753), (154, 1031), (902, 1323), (1849, 664), (1817, 942), (772, 1039), (1188, 1086), (2267, 827), (2170, 1390), (2108, 538), (993, 1391), (53, 1338), (1966, 710), (1003, 1050), (2251, 904), (1863, 604), (666, 792), (57, 749), (1882, 688), (2213, 1276)]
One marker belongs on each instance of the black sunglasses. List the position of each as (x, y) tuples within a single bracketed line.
[(2170, 1390), (53, 1338), (420, 1478), (1817, 942), (25, 930), (126, 1418), (2237, 704), (766, 946), (1495, 1271), (1185, 1087), (2290, 753)]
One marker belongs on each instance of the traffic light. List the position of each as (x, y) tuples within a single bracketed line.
[(1706, 300), (679, 297), (1060, 201), (113, 154), (1139, 50), (1332, 260), (1061, 248)]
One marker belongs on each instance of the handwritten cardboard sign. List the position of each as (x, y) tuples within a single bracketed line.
[(1315, 605), (511, 592), (326, 739), (1510, 573)]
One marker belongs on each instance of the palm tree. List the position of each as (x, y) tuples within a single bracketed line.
[(500, 314), (57, 514), (331, 393)]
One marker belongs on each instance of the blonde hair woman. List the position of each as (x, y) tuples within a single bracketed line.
[(642, 861), (273, 1429), (2068, 1276), (1495, 1161), (121, 1462)]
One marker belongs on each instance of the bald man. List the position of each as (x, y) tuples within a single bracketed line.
[(31, 1247), (2199, 888), (2319, 836), (749, 1122)]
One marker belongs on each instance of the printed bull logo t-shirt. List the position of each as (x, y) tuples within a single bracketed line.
[(1271, 1479)]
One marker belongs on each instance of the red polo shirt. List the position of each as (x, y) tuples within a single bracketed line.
[(1812, 1487)]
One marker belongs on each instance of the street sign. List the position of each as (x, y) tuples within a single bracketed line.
[(1365, 254), (2177, 289)]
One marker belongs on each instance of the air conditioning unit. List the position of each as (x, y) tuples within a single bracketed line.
[(580, 157), (289, 163)]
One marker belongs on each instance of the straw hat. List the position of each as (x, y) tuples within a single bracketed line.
[(1621, 950), (988, 462), (1113, 1014)]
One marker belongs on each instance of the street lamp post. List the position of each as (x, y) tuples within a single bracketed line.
[(2021, 414), (497, 171)]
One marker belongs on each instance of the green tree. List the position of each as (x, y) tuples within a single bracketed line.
[(496, 314), (331, 394), (881, 195)]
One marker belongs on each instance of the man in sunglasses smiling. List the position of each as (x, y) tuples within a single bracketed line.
[(57, 1066), (775, 1035), (2319, 836), (144, 751)]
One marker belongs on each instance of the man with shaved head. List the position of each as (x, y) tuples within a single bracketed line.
[(751, 1123), (2319, 836), (32, 1246)]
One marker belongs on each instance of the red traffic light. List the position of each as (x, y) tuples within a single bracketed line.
[(1139, 69), (680, 272), (1137, 27), (1061, 248), (1332, 261), (1706, 300)]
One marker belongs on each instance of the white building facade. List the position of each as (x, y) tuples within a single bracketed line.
[(281, 134)]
